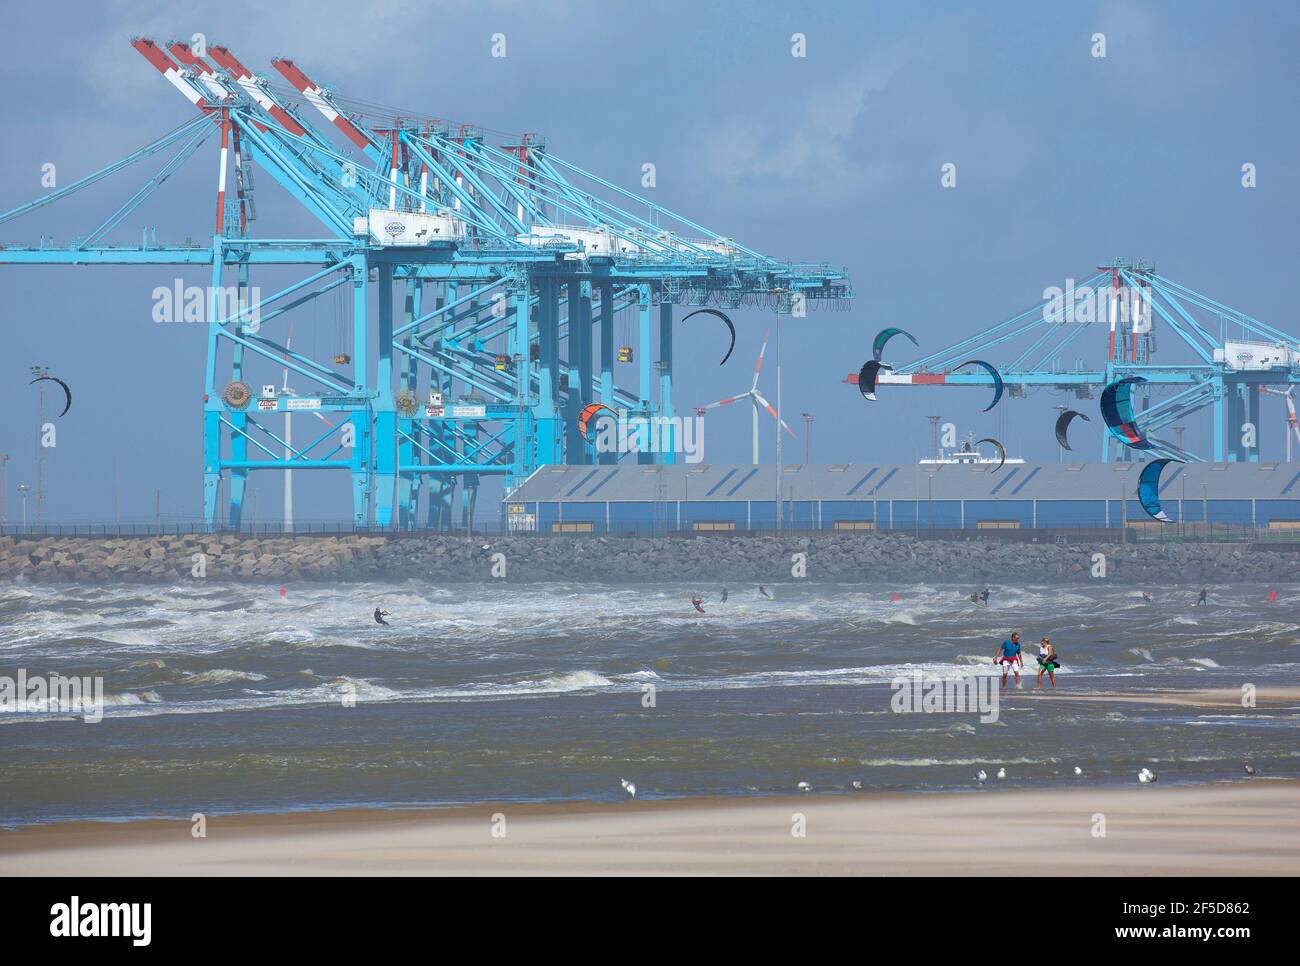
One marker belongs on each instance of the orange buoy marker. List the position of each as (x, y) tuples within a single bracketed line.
[(895, 597), (1272, 596)]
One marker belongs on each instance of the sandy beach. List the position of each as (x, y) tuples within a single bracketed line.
[(1239, 828), (1225, 698)]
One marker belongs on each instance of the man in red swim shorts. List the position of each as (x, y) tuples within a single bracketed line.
[(1008, 656)]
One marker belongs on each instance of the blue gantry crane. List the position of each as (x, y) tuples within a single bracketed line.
[(499, 274), (1232, 357)]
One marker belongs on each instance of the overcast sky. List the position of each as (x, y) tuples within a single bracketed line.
[(1064, 161)]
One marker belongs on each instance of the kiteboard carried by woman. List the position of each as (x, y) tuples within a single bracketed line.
[(1047, 663)]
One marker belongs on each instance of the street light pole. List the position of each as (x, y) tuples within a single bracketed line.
[(778, 421), (41, 373), (285, 390)]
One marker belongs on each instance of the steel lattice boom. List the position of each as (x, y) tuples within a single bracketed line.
[(1234, 358), (499, 271)]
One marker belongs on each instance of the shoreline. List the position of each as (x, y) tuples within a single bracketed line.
[(1274, 697), (1245, 827), (834, 782)]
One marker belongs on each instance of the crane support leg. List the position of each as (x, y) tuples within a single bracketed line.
[(385, 410), (585, 451), (441, 499), (579, 352), (408, 482), (426, 486), (469, 497), (212, 414), (607, 356), (211, 462), (238, 439), (574, 447), (525, 457), (548, 423), (1219, 418), (1235, 417), (644, 389), (1252, 416), (442, 488), (362, 421), (667, 439)]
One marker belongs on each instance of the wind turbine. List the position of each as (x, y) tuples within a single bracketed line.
[(1292, 423), (756, 398)]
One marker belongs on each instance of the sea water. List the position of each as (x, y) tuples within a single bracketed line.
[(223, 697)]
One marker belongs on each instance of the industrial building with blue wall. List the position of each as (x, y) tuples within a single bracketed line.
[(713, 497)]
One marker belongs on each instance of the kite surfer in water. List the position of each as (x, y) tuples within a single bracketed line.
[(980, 598), (379, 617), (724, 595), (1047, 662), (1009, 656), (763, 590), (1201, 597), (698, 602)]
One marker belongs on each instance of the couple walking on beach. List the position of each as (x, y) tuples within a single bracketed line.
[(1010, 657)]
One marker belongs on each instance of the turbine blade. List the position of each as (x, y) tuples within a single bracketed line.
[(288, 344), (758, 366), (723, 402), (768, 406)]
